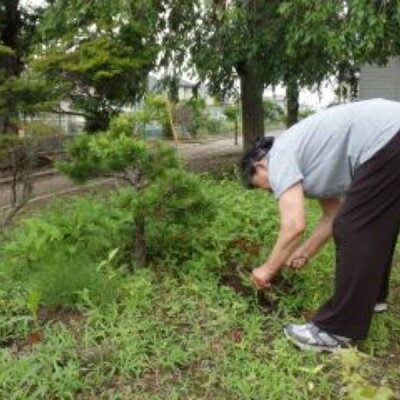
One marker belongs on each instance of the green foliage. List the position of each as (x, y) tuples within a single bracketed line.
[(92, 156), (214, 126), (18, 94), (61, 252), (306, 112), (174, 330), (169, 203), (170, 337), (5, 52), (193, 117), (99, 57), (154, 108), (354, 373), (26, 95), (175, 207), (231, 112), (273, 111), (353, 31), (117, 151), (197, 107), (57, 254)]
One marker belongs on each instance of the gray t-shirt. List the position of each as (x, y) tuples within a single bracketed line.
[(324, 150)]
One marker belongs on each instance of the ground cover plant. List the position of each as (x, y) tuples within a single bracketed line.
[(144, 293), (186, 326)]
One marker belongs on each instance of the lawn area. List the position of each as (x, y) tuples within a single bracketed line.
[(80, 321)]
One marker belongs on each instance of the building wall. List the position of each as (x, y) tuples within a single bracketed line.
[(381, 81)]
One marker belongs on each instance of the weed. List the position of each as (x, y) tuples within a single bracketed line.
[(189, 325)]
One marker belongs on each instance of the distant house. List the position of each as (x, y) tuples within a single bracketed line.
[(381, 81), (70, 124)]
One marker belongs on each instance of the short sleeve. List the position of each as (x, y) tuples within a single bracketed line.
[(283, 172)]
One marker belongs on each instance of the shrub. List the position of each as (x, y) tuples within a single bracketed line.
[(65, 250), (57, 253), (177, 209), (273, 111), (306, 112), (19, 158), (214, 126), (152, 172)]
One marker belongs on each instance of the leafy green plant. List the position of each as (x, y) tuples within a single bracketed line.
[(154, 108), (179, 332), (146, 169), (355, 367), (56, 253), (101, 64), (273, 111), (33, 304), (231, 112), (177, 209), (306, 112)]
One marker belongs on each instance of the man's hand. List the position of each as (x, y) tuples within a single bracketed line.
[(262, 277), (292, 225), (321, 234), (297, 260)]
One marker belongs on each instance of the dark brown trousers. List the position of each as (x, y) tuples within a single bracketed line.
[(365, 232)]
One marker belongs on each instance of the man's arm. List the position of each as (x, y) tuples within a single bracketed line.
[(293, 222), (321, 234)]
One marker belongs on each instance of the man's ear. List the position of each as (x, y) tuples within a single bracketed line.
[(260, 163)]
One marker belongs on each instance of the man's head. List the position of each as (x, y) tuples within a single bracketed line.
[(254, 165)]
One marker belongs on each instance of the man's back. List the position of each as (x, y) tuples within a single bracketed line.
[(325, 149)]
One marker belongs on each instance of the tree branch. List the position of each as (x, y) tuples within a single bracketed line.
[(75, 113)]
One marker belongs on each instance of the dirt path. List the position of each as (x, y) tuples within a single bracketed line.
[(197, 154)]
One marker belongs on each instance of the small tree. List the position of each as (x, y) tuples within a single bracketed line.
[(163, 190), (273, 111), (19, 157), (156, 108), (232, 113), (99, 55)]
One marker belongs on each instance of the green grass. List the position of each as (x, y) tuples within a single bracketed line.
[(175, 332), (177, 336)]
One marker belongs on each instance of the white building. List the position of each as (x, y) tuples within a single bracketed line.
[(381, 81)]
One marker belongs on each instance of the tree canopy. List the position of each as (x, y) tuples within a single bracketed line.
[(98, 54)]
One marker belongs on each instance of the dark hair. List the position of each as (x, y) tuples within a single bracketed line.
[(260, 149)]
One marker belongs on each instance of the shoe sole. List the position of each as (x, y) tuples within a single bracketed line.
[(316, 349), (380, 310)]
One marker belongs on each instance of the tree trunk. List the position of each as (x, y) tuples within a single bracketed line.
[(252, 88), (11, 24), (99, 122), (140, 253), (236, 131), (292, 103), (173, 90), (9, 35)]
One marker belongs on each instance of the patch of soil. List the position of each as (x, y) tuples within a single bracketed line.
[(218, 166), (236, 335), (244, 246), (308, 315), (18, 345), (36, 336), (235, 283), (66, 317)]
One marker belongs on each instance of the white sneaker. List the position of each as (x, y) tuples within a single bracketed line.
[(310, 337), (381, 307)]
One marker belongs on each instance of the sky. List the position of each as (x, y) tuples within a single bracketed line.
[(32, 2)]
